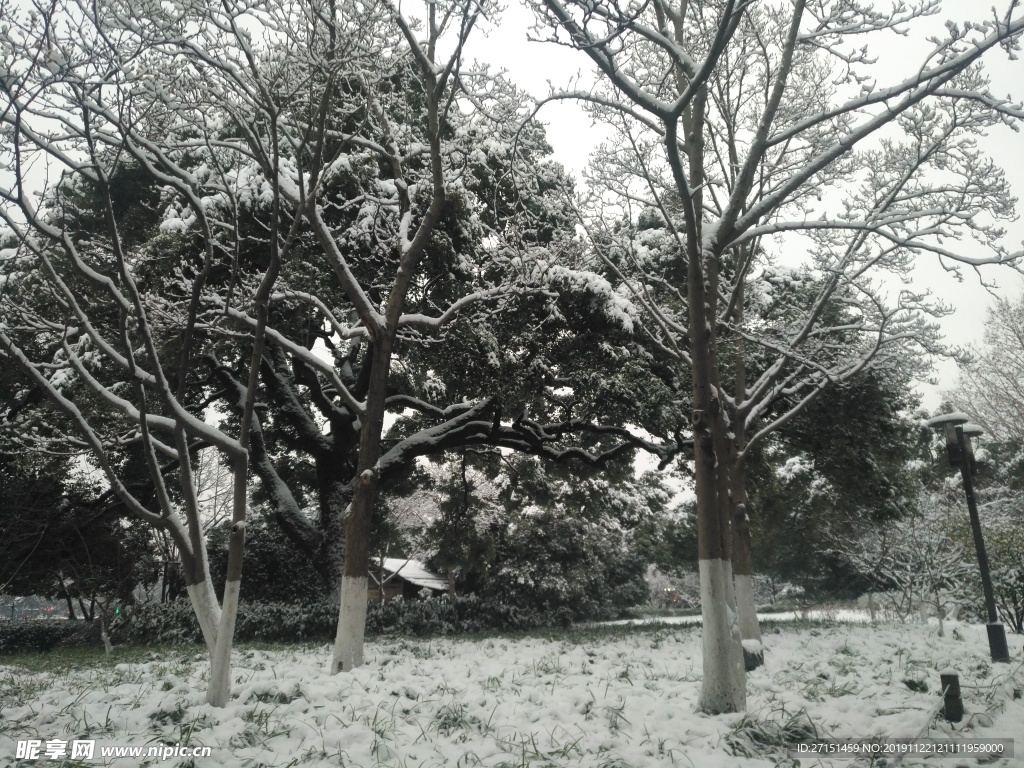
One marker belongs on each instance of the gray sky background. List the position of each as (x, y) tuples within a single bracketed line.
[(536, 67)]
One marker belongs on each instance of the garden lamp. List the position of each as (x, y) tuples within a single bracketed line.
[(958, 435)]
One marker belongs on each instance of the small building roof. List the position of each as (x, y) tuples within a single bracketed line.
[(414, 572)]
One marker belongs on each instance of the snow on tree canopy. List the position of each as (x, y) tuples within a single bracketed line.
[(613, 305), (794, 467)]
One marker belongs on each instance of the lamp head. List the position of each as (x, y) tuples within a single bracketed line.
[(947, 424)]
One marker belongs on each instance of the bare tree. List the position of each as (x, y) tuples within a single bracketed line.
[(915, 563), (742, 139), (991, 386), (213, 489), (83, 101)]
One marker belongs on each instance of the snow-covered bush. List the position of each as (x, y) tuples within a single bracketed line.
[(671, 591), (172, 623), (1005, 549), (918, 564), (446, 615)]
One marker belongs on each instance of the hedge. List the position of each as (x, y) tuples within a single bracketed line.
[(35, 635), (175, 623)]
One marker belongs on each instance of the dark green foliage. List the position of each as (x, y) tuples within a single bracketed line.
[(570, 567), (273, 568), (670, 541), (175, 623), (60, 539), (36, 635), (845, 460), (998, 484), (1008, 583), (544, 537)]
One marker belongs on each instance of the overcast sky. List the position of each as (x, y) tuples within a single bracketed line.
[(536, 66)]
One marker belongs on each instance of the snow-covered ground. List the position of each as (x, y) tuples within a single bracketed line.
[(623, 698), (844, 615)]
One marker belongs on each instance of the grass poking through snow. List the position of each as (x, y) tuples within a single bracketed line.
[(618, 697)]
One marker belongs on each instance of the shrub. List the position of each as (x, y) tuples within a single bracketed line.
[(175, 623), (564, 568), (35, 635), (275, 569), (1005, 548)]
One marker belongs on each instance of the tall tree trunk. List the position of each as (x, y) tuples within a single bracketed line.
[(335, 496), (348, 642), (723, 687), (220, 666)]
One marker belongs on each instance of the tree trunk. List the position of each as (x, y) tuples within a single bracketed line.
[(939, 613), (67, 598), (723, 687), (220, 663), (199, 587), (335, 495), (746, 608), (207, 609), (348, 642)]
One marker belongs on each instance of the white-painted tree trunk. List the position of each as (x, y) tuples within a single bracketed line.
[(746, 610), (730, 584), (204, 603), (220, 662), (348, 643), (737, 671), (724, 686)]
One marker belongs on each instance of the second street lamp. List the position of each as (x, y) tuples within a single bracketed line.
[(961, 454)]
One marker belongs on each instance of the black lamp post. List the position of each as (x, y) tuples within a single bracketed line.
[(961, 454)]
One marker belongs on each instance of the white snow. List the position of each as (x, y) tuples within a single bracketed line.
[(617, 700), (412, 571), (752, 646)]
